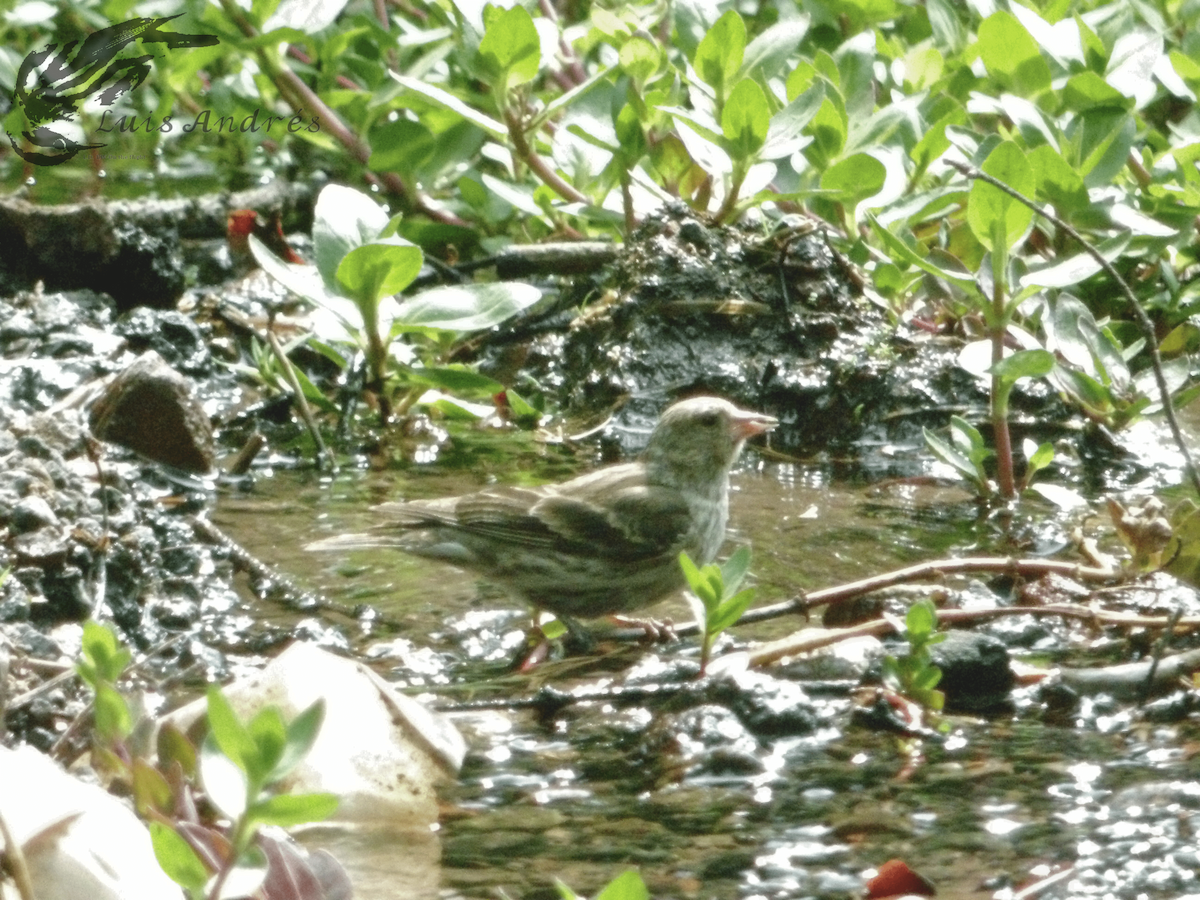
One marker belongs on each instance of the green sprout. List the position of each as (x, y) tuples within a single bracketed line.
[(717, 602)]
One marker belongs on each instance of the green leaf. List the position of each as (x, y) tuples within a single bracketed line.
[(1104, 136), (854, 178), (1183, 338), (800, 80), (923, 66), (1080, 341), (113, 719), (746, 119), (1095, 54), (553, 629), (733, 572), (343, 220), (228, 732), (712, 589), (949, 34), (626, 886), (729, 611), (921, 620), (150, 789), (786, 132), (767, 53), (829, 128), (446, 100), (1024, 364), (456, 379), (1011, 55), (302, 733), (956, 460), (1076, 269), (926, 679), (177, 858), (301, 279), (690, 572), (467, 307), (640, 58), (1037, 457), (288, 810), (379, 269), (103, 653), (511, 49), (1088, 90), (1094, 397), (269, 734), (967, 437), (224, 780), (720, 53), (904, 253), (312, 393), (1057, 181), (173, 746), (988, 207), (934, 142)]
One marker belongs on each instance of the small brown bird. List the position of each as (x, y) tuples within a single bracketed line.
[(603, 543)]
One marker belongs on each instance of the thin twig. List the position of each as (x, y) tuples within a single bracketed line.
[(1159, 649), (814, 638), (1143, 320), (281, 590), (17, 866), (301, 401)]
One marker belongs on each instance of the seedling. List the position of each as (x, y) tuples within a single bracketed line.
[(716, 601)]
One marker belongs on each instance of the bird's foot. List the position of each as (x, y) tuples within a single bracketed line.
[(656, 632), (540, 641)]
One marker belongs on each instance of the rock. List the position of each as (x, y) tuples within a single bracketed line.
[(78, 840), (170, 334), (975, 670), (379, 751), (42, 547), (149, 408), (30, 514)]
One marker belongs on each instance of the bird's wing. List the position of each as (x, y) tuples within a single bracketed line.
[(608, 513), (635, 522), (501, 514)]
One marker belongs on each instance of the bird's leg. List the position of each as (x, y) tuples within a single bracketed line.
[(579, 639), (576, 640), (656, 632)]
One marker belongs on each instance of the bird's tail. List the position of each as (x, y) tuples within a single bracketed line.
[(364, 541)]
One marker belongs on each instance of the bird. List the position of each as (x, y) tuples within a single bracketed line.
[(601, 544)]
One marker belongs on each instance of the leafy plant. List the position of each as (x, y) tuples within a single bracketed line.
[(914, 675), (235, 769), (238, 764), (626, 886), (102, 663), (361, 264), (715, 599)]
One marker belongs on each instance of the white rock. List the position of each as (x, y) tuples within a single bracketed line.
[(380, 752), (78, 840)]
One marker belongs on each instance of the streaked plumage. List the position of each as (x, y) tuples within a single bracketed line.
[(602, 543)]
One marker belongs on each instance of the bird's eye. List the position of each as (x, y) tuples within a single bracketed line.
[(709, 419)]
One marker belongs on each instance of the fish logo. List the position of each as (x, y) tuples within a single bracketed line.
[(53, 83)]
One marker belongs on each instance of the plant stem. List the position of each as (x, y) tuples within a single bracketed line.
[(1143, 320), (526, 154), (1000, 433), (301, 402)]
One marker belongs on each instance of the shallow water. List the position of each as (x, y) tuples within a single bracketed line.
[(594, 789)]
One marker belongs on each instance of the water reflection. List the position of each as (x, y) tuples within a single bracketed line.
[(591, 789)]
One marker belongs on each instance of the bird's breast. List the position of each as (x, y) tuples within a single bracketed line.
[(709, 517)]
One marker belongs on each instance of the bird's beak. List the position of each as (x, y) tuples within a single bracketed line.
[(748, 424)]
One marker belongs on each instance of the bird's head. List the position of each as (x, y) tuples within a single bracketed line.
[(697, 440)]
